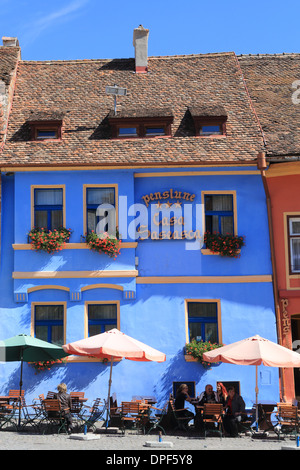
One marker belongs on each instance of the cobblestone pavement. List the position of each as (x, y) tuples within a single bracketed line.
[(11, 440)]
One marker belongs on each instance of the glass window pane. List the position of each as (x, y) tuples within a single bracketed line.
[(57, 335), (155, 131), (195, 331), (48, 197), (41, 332), (218, 203), (91, 220), (227, 225), (211, 332), (46, 134), (202, 309), (94, 330), (100, 196), (295, 254), (41, 219), (295, 226), (56, 219), (49, 312), (99, 312), (128, 131), (211, 129), (108, 327)]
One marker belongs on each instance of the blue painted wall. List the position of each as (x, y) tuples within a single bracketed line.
[(157, 315)]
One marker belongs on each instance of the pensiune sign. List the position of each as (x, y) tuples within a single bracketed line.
[(171, 216)]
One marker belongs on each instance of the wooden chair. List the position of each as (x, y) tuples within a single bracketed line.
[(181, 422), (114, 414), (212, 415), (31, 414), (76, 405), (288, 421), (53, 415), (93, 414), (9, 415), (131, 413), (157, 417), (14, 395), (51, 395)]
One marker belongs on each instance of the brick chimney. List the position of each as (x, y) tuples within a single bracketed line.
[(140, 43), (8, 42)]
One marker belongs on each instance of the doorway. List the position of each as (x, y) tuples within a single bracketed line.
[(295, 320)]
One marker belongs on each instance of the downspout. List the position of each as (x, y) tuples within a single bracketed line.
[(262, 165)]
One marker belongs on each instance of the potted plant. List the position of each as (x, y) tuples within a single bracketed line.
[(41, 366), (196, 349), (225, 245), (49, 240), (103, 243)]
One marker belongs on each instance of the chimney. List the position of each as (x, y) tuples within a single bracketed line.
[(140, 43), (8, 42)]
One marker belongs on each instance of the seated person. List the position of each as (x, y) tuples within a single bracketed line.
[(221, 393), (65, 403), (208, 396), (181, 396), (235, 412)]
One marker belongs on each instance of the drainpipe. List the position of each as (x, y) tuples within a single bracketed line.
[(262, 166)]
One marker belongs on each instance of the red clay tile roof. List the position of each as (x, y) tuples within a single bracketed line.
[(77, 90), (269, 80)]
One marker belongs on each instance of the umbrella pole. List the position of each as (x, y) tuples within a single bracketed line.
[(256, 398), (109, 387), (21, 383)]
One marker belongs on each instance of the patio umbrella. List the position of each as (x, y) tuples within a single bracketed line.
[(114, 344), (29, 349), (254, 351)]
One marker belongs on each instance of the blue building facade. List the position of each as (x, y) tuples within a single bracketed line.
[(175, 158), (151, 285)]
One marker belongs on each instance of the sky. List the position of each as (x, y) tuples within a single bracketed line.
[(103, 29)]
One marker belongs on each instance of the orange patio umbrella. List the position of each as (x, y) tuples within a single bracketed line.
[(254, 351), (114, 344)]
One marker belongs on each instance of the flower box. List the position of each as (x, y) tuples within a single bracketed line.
[(224, 245), (103, 243), (49, 241)]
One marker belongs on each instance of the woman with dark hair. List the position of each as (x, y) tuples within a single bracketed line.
[(182, 396)]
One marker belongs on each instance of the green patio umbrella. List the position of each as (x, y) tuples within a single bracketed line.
[(29, 349)]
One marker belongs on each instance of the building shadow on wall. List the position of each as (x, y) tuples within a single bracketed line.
[(178, 370), (77, 376)]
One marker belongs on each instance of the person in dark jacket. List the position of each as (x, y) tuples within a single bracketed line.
[(208, 396), (181, 396), (65, 403), (235, 412)]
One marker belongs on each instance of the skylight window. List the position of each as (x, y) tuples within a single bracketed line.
[(211, 129)]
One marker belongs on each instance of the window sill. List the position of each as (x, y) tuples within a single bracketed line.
[(74, 358), (207, 251), (189, 358), (71, 246)]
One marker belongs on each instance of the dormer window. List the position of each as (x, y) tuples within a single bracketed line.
[(150, 124), (209, 121), (45, 130), (45, 126)]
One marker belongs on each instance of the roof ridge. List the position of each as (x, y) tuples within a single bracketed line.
[(78, 61), (277, 55)]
